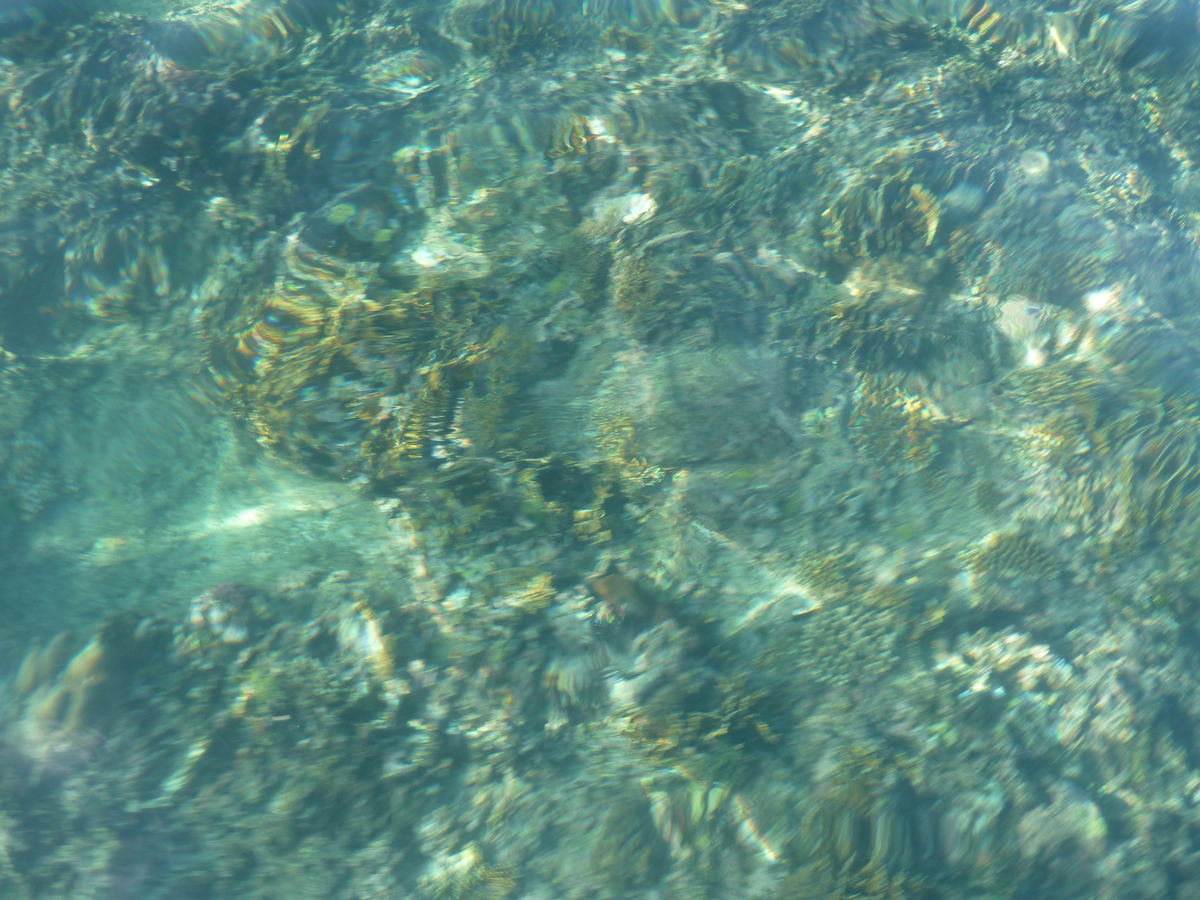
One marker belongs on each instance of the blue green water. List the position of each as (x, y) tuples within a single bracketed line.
[(549, 450)]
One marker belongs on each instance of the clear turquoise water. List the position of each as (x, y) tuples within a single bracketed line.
[(536, 449)]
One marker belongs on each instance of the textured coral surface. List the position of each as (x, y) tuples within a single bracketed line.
[(564, 450)]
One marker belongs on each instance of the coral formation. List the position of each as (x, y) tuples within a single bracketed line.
[(780, 423)]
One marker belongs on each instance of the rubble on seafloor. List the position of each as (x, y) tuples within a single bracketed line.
[(620, 449)]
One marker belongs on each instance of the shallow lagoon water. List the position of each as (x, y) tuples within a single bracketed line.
[(529, 449)]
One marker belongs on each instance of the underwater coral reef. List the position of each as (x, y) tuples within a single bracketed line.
[(600, 449)]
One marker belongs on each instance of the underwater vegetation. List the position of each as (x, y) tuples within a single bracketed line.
[(782, 420)]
